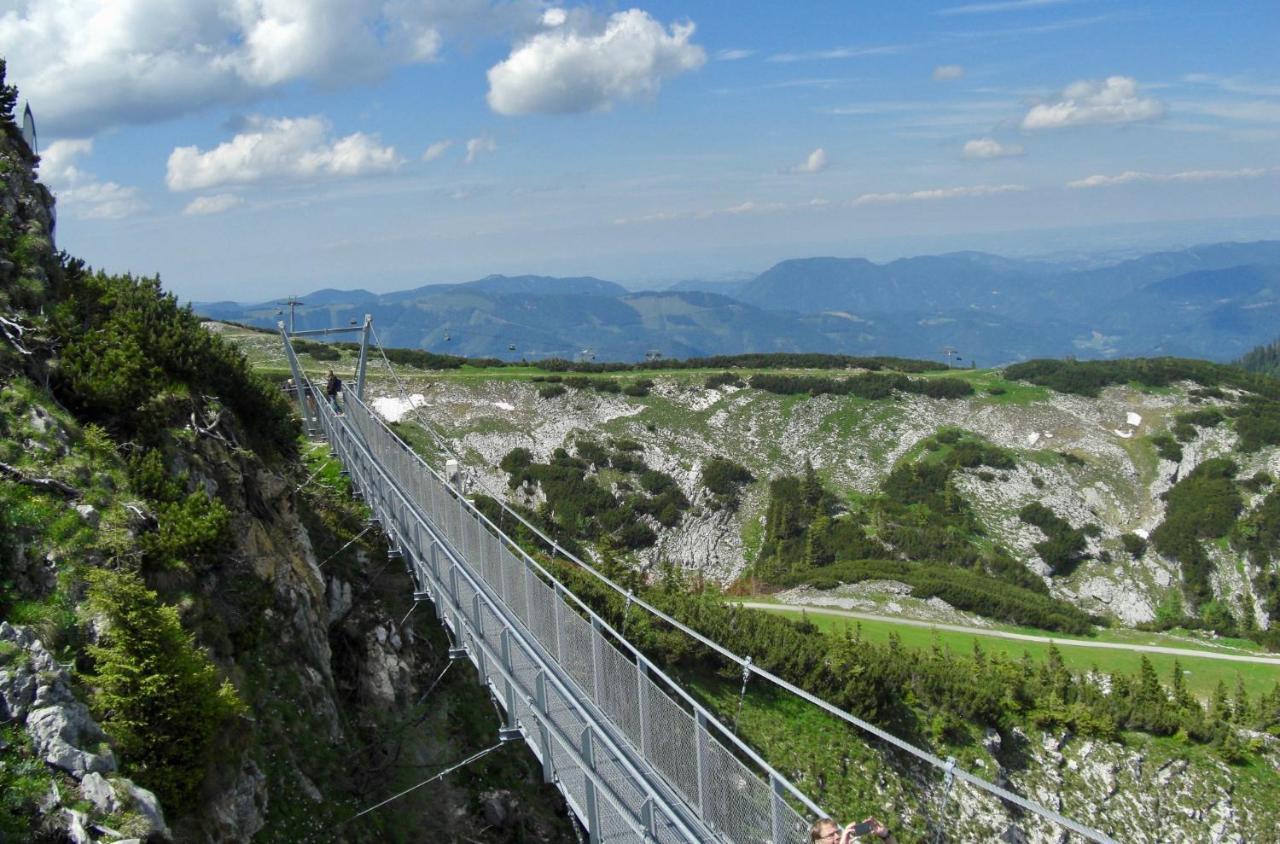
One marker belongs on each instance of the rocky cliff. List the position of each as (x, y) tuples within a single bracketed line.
[(241, 549)]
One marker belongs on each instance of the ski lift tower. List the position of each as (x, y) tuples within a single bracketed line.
[(291, 303), (948, 352)]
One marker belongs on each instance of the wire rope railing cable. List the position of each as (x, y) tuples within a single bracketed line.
[(883, 735), (456, 616), (708, 719), (861, 724)]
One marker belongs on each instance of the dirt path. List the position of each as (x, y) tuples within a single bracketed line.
[(1025, 637)]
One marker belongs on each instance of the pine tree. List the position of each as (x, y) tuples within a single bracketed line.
[(155, 691), (8, 96)]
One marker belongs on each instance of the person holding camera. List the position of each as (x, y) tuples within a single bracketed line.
[(827, 831)]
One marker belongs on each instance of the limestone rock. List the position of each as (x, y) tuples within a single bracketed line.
[(97, 790), (144, 803), (241, 811), (90, 515), (76, 831), (61, 733)]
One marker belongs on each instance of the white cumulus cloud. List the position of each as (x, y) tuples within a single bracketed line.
[(1112, 100), (92, 64), (935, 194), (1131, 176), (477, 146), (436, 150), (567, 69), (214, 204), (947, 72), (281, 148), (990, 148), (81, 193), (815, 163)]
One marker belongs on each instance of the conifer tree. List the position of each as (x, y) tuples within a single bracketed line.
[(155, 691)]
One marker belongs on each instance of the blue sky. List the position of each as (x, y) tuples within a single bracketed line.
[(247, 149)]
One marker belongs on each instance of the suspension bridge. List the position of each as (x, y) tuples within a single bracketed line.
[(636, 756)]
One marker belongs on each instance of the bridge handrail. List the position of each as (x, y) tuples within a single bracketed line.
[(329, 420), (748, 666), (708, 717), (744, 662)]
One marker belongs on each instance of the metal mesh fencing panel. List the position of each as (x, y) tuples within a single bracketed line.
[(575, 646), (734, 800), (671, 741), (465, 596), (730, 795), (629, 794), (472, 531), (571, 726), (523, 668), (514, 593), (620, 690), (613, 828), (490, 557), (542, 622)]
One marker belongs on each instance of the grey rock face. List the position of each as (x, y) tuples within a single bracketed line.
[(62, 732), (97, 790), (144, 802), (241, 810), (90, 515), (35, 689)]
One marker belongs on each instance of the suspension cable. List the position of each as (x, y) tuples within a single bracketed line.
[(472, 758), (786, 685), (353, 540)]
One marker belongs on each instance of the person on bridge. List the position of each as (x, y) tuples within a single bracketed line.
[(331, 389), (827, 831)]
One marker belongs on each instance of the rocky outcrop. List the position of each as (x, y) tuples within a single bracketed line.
[(1109, 477), (36, 692)]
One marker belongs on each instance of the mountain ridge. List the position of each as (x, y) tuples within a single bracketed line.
[(986, 306)]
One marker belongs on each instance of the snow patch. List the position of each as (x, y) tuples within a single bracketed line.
[(393, 409), (501, 405), (1134, 419)]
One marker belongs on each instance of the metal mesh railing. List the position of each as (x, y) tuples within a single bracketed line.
[(663, 726)]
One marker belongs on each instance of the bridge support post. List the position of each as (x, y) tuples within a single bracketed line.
[(477, 622), (776, 804), (513, 721), (591, 808), (597, 661), (642, 677), (700, 732), (364, 356), (544, 735), (646, 818)]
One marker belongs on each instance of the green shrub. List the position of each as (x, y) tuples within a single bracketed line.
[(1088, 378), (1257, 422), (1166, 446), (1133, 544), (723, 379), (639, 388), (1063, 546), (126, 345), (155, 691), (722, 477), (1203, 505), (551, 391)]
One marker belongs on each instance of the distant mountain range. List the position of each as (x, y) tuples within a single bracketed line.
[(1215, 302)]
